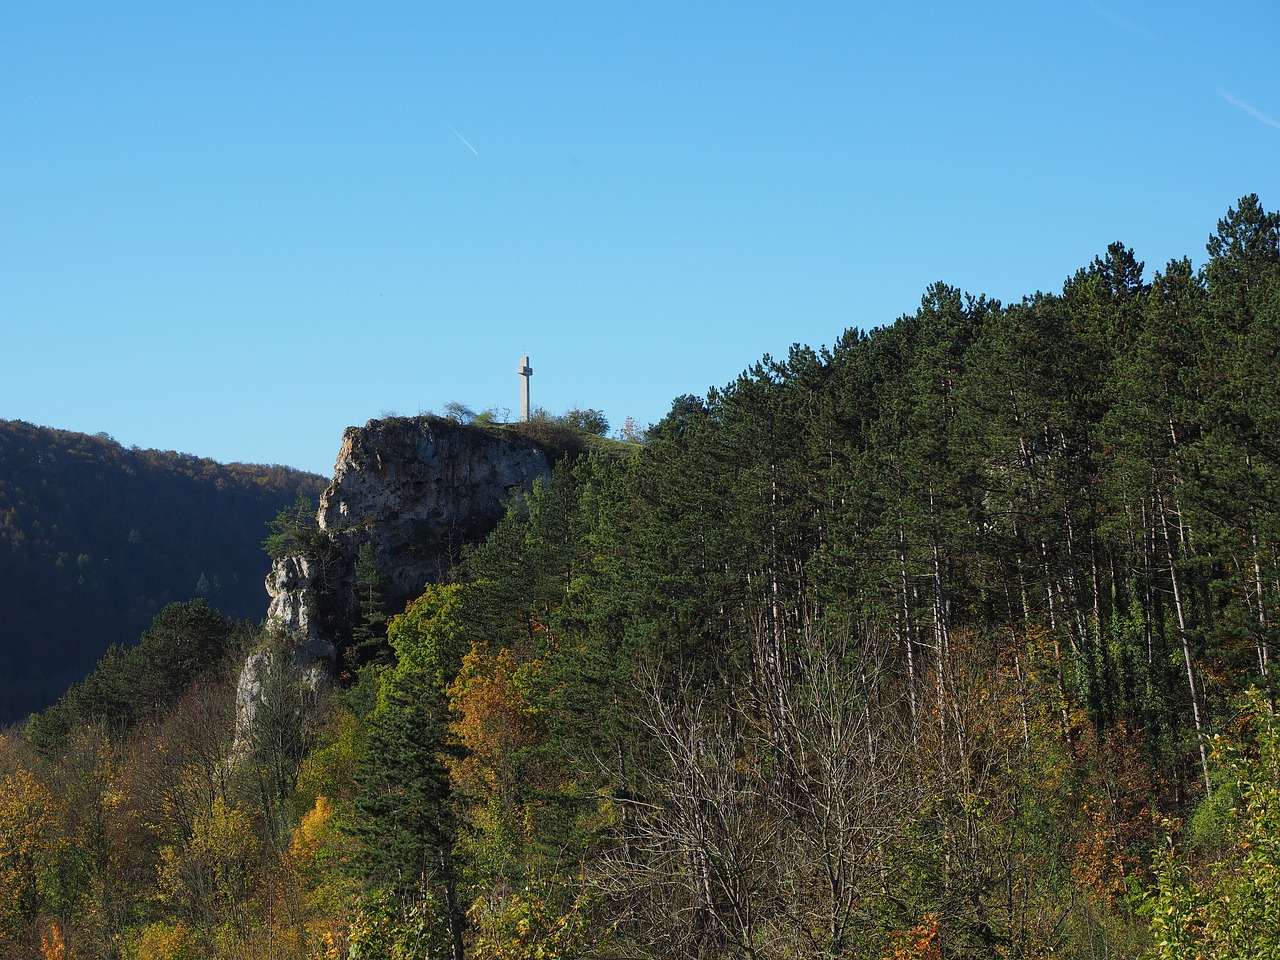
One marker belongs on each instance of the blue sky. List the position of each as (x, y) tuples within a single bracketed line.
[(235, 229)]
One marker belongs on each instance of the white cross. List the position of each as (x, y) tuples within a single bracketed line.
[(526, 373)]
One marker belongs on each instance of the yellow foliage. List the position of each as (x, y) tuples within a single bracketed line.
[(547, 920), (214, 872), (314, 830), (31, 842), (332, 946), (330, 767), (163, 941), (318, 849)]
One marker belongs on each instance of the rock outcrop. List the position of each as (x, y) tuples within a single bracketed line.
[(417, 489), (420, 488)]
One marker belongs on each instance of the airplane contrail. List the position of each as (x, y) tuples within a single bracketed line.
[(463, 139), (1242, 105), (1248, 108)]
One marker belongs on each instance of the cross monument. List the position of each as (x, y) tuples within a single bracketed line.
[(526, 373)]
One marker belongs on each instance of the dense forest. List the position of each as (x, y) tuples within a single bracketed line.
[(952, 640), (95, 539)]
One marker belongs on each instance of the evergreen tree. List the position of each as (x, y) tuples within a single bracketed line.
[(370, 629), (406, 817)]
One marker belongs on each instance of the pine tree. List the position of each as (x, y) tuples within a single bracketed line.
[(407, 823)]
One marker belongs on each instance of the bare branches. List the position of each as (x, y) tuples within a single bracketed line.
[(765, 815)]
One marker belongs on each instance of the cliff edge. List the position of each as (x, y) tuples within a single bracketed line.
[(417, 489)]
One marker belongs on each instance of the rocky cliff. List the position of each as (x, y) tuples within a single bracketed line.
[(417, 489)]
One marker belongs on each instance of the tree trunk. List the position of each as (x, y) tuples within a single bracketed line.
[(1184, 637)]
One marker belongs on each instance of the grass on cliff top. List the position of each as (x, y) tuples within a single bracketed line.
[(561, 439)]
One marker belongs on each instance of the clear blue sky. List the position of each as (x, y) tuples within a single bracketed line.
[(234, 229)]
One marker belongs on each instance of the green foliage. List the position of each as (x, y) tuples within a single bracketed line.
[(370, 629), (383, 927), (295, 529), (184, 640), (405, 818), (588, 421), (428, 644), (362, 696), (1229, 907), (491, 416)]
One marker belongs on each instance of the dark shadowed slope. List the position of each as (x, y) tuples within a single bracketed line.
[(95, 539)]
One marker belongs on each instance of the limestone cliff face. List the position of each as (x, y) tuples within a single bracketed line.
[(291, 581), (418, 489)]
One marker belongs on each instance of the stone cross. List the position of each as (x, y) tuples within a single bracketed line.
[(526, 373)]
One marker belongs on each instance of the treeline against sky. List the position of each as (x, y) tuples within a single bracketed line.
[(955, 639), (95, 539)]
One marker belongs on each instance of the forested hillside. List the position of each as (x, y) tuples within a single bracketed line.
[(95, 539), (952, 640)]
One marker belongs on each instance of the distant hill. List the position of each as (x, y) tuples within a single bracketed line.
[(95, 539)]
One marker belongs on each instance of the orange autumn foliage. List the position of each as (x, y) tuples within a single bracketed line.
[(54, 946), (921, 942), (494, 721)]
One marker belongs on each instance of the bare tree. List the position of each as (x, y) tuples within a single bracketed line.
[(766, 809)]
